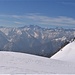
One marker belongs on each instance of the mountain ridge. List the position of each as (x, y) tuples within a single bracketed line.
[(67, 53)]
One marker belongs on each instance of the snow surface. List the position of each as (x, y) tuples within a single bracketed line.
[(67, 53), (21, 63)]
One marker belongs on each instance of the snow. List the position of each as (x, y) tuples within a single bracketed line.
[(19, 32), (5, 30), (29, 36), (36, 35), (21, 63), (66, 54), (62, 39)]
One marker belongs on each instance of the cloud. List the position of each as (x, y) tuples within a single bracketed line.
[(17, 22), (60, 20), (72, 3), (39, 19), (11, 16)]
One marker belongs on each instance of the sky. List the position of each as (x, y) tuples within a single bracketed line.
[(47, 13)]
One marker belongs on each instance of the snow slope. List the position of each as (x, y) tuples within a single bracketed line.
[(67, 53), (20, 63)]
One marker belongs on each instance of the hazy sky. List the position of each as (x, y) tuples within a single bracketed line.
[(49, 13)]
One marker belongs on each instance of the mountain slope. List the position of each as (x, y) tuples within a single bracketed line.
[(67, 53), (20, 63)]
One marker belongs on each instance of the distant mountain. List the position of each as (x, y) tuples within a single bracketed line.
[(34, 39)]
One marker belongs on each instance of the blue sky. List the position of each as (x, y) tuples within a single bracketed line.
[(48, 13)]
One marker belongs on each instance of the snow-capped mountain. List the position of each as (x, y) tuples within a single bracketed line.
[(67, 53), (34, 39)]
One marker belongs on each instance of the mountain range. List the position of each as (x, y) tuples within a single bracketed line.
[(33, 39)]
